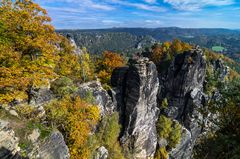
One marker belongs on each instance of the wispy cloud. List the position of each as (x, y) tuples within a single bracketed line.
[(81, 14), (193, 5), (90, 4), (141, 6), (150, 1)]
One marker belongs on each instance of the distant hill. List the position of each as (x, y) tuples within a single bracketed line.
[(130, 40), (98, 41)]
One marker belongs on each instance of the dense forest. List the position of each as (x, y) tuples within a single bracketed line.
[(104, 39), (61, 101)]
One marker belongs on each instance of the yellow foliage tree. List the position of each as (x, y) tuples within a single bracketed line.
[(77, 118), (32, 53), (27, 48), (166, 51), (79, 67)]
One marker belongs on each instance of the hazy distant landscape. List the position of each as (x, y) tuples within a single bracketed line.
[(130, 40)]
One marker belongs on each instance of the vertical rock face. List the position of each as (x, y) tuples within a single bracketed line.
[(139, 101), (182, 85)]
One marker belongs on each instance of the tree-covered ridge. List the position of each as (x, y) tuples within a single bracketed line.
[(229, 39)]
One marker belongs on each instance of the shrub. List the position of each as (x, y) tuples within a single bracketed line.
[(170, 130), (161, 153), (26, 111), (89, 98), (110, 136), (107, 135), (63, 86), (164, 103), (175, 135), (164, 126)]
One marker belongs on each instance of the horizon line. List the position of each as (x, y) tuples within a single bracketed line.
[(233, 29)]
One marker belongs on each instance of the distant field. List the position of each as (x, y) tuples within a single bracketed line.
[(218, 48)]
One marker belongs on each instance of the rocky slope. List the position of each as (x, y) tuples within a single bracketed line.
[(137, 93)]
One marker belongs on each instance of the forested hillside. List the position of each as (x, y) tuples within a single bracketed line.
[(58, 101), (104, 38)]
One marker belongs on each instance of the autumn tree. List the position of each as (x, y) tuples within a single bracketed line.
[(27, 47), (76, 118), (78, 67), (179, 46), (32, 53), (107, 64), (162, 54)]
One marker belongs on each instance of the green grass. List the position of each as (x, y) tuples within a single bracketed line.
[(218, 48)]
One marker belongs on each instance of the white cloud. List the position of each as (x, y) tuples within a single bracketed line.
[(111, 22), (140, 6), (192, 5), (150, 1), (82, 3)]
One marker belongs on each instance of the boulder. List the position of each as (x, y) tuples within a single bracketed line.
[(101, 96), (33, 137), (39, 96), (54, 147), (8, 142), (102, 153)]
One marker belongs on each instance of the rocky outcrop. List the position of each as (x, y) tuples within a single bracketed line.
[(182, 85), (101, 96), (76, 50), (54, 147), (102, 153), (8, 142), (221, 70), (39, 96), (140, 107)]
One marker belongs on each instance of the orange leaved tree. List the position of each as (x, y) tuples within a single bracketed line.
[(107, 64)]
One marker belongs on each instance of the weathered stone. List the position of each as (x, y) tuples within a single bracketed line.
[(182, 85), (219, 68), (76, 50), (8, 141), (118, 81), (183, 149), (102, 153), (33, 137), (54, 147), (102, 98), (13, 112), (140, 107), (38, 96)]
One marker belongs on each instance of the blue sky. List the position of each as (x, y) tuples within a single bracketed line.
[(89, 14)]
